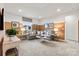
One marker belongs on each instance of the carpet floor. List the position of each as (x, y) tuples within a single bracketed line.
[(48, 48)]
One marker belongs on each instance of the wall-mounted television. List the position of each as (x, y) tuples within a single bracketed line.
[(1, 18)]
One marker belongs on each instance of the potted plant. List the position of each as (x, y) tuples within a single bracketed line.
[(11, 32)]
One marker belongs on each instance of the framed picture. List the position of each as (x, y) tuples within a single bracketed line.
[(15, 24)]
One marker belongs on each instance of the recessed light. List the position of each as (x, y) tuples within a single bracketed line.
[(58, 10), (20, 10)]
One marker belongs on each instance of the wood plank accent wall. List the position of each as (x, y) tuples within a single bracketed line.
[(34, 27), (41, 27), (8, 25), (61, 30), (38, 27)]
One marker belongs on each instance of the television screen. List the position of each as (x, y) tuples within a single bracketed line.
[(1, 19)]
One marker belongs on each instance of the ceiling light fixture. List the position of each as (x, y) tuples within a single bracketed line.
[(20, 10), (58, 10)]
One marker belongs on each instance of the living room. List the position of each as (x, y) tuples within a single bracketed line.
[(42, 27)]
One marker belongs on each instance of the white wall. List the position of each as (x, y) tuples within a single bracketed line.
[(71, 27), (46, 20), (35, 21), (1, 5)]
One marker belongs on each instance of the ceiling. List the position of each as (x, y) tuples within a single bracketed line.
[(40, 9)]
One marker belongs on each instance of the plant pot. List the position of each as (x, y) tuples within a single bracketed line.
[(11, 37)]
